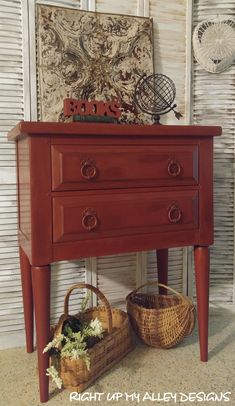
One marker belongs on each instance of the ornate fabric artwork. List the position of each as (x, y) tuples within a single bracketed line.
[(86, 55)]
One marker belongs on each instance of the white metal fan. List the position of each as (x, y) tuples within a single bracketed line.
[(214, 44)]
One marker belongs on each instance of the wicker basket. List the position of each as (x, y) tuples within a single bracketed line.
[(117, 342), (160, 320)]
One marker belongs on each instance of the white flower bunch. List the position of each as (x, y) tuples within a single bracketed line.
[(54, 343), (53, 373), (94, 329), (73, 345)]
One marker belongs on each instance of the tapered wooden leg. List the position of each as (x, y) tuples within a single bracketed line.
[(201, 259), (162, 266), (41, 277), (27, 291)]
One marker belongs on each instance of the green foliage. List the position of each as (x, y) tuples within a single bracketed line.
[(75, 348), (85, 301)]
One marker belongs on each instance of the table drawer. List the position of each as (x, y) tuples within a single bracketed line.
[(89, 215), (83, 167)]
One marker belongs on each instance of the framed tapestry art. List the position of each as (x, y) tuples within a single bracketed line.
[(87, 55)]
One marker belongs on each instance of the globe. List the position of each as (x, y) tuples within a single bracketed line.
[(155, 95)]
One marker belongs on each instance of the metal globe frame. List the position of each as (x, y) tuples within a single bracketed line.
[(144, 88)]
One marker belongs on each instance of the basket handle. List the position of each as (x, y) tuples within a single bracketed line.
[(150, 283), (94, 290)]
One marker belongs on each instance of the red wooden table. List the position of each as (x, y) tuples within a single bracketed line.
[(99, 189)]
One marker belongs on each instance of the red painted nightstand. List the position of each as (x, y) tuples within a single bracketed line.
[(99, 189)]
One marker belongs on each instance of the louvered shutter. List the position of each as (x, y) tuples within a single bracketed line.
[(11, 111), (175, 268), (63, 3), (13, 92), (118, 7), (169, 22), (117, 275), (169, 51), (169, 25), (213, 104)]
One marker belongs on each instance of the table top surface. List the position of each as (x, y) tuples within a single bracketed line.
[(107, 129)]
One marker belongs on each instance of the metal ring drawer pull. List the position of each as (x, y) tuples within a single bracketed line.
[(174, 214), (88, 169), (174, 168), (89, 220)]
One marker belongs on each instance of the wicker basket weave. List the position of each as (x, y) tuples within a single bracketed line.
[(214, 43), (117, 342), (160, 320)]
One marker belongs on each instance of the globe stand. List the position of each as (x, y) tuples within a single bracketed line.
[(156, 119)]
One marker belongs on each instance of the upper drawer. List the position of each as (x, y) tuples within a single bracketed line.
[(83, 167)]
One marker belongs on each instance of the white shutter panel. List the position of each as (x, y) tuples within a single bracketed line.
[(116, 277), (11, 111), (213, 104), (62, 3), (12, 108), (175, 268), (64, 274), (169, 26), (118, 7)]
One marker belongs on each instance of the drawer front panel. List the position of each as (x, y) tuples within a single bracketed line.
[(103, 214), (82, 167)]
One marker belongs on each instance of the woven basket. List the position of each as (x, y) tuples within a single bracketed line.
[(117, 342), (160, 320)]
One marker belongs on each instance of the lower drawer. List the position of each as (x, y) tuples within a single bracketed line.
[(90, 215)]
